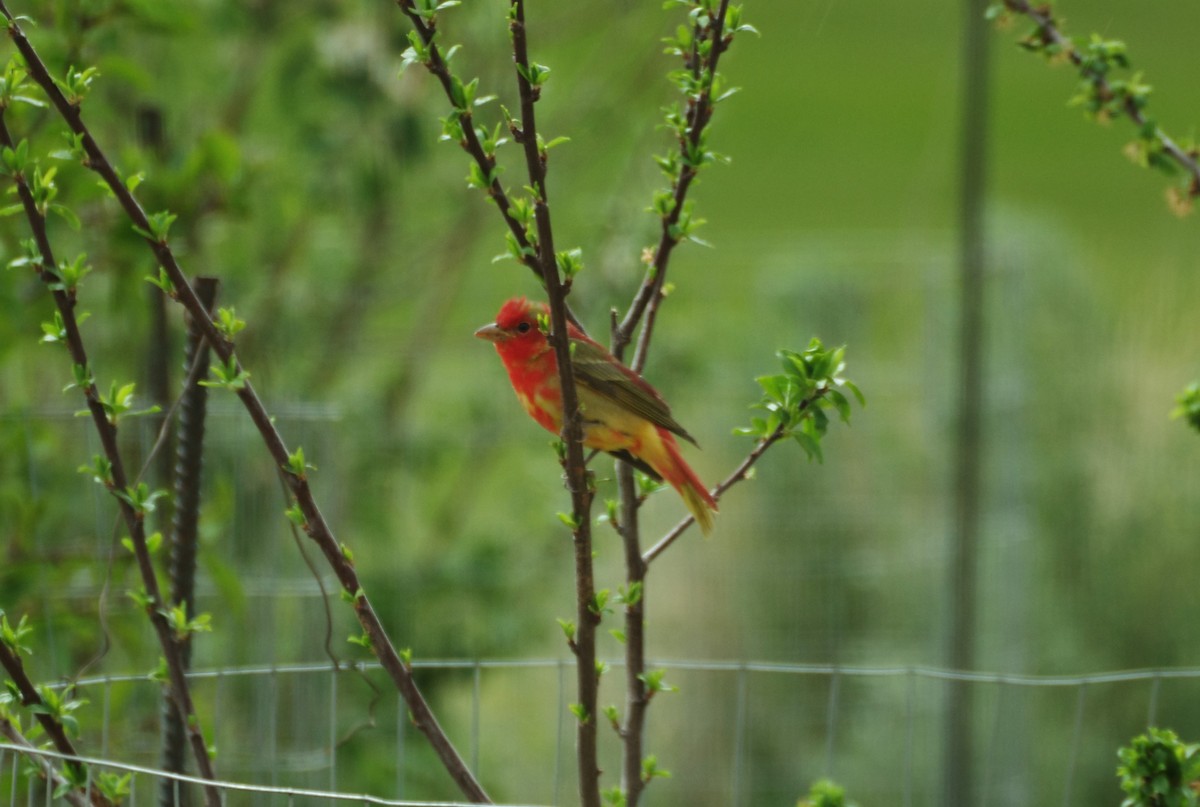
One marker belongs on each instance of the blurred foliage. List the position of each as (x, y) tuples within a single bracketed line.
[(826, 793), (1158, 770), (1188, 406), (306, 173)]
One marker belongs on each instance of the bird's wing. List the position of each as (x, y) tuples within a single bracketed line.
[(596, 369)]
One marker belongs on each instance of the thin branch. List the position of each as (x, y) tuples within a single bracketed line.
[(699, 113), (739, 474), (315, 525), (579, 481), (117, 480), (1048, 32), (636, 700)]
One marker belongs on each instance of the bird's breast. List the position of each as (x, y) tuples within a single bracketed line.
[(538, 390)]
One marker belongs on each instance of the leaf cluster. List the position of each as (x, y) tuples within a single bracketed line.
[(119, 402), (13, 636), (1158, 770), (26, 173), (184, 626), (796, 401), (59, 706)]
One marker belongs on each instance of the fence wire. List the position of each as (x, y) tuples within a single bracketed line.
[(272, 762), (290, 795)]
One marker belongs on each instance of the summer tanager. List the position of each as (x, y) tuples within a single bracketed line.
[(622, 414)]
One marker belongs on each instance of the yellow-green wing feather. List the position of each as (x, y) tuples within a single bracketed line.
[(596, 369)]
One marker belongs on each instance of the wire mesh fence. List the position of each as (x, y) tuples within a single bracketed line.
[(861, 725)]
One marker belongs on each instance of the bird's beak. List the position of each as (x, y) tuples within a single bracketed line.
[(492, 333)]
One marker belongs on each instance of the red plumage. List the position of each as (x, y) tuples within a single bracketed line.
[(622, 414)]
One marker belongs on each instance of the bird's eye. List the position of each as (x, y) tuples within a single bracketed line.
[(523, 327)]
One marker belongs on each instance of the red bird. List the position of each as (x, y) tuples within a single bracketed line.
[(622, 414)]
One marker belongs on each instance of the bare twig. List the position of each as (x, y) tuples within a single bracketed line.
[(739, 474), (636, 700), (315, 525)]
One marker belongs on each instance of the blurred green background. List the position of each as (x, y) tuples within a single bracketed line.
[(308, 178)]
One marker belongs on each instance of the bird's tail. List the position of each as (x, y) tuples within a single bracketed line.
[(679, 474)]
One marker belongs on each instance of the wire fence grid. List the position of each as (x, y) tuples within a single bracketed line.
[(263, 767)]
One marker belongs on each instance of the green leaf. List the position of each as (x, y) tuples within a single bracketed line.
[(614, 796), (841, 404), (140, 497), (100, 470), (296, 465), (570, 262), (654, 681), (228, 322), (599, 603), (534, 73), (296, 515), (164, 282), (159, 226), (850, 385), (66, 214), (650, 769), (15, 159), (139, 596), (227, 375), (159, 673), (77, 83), (13, 637), (182, 626)]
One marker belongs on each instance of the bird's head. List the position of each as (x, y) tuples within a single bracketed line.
[(516, 331)]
